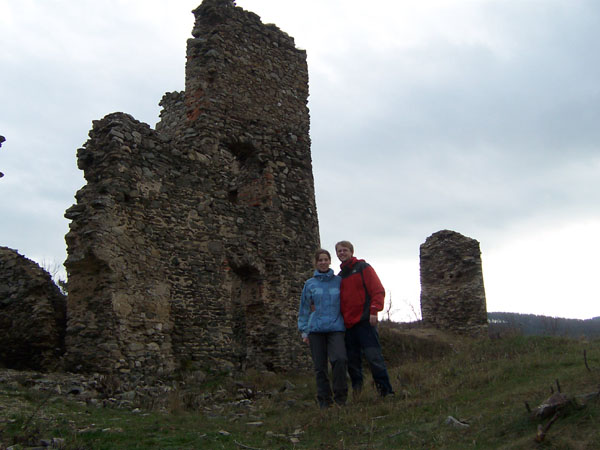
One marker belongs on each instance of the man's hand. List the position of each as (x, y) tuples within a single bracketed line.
[(373, 319), (305, 340)]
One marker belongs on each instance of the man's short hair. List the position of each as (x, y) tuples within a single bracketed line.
[(346, 244)]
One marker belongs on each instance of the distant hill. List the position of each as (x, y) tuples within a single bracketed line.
[(534, 325)]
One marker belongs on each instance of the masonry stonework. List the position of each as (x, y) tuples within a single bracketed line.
[(32, 315), (190, 243), (452, 291)]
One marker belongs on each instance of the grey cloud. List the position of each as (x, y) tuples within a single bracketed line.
[(458, 135)]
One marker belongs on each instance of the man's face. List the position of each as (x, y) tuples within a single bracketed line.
[(343, 253)]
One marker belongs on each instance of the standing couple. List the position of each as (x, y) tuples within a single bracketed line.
[(338, 318)]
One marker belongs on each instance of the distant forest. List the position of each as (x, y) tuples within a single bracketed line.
[(531, 324)]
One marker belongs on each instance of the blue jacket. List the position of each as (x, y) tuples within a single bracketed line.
[(322, 291)]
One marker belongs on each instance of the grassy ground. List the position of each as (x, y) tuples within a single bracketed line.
[(482, 384)]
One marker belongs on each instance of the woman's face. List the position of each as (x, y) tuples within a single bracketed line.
[(323, 262)]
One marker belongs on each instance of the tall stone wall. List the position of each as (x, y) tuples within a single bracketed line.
[(189, 244), (452, 291), (32, 315)]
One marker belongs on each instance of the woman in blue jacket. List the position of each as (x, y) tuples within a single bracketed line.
[(322, 327)]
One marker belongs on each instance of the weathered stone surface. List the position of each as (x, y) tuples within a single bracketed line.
[(32, 315), (452, 291), (189, 245)]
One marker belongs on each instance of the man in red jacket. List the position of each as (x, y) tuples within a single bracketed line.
[(361, 298)]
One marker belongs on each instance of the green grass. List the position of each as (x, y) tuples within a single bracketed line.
[(483, 383)]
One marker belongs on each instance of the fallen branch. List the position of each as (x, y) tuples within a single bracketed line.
[(239, 444), (585, 360), (555, 406), (552, 404), (542, 430), (591, 396)]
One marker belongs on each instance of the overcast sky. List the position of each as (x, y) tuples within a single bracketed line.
[(481, 117)]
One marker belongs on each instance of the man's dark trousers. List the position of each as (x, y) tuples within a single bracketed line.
[(363, 337)]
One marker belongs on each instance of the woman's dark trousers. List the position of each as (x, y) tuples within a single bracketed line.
[(330, 347)]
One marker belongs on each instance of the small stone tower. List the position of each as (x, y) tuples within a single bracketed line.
[(190, 244), (452, 292)]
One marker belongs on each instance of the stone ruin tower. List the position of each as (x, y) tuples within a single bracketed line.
[(452, 292), (189, 244)]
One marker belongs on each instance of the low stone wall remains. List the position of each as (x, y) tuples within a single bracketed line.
[(32, 315)]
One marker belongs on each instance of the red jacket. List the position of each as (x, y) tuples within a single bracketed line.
[(357, 304)]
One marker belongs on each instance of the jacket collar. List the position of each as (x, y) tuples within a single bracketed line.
[(323, 275), (349, 263)]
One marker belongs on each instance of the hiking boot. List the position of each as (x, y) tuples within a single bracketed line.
[(382, 391)]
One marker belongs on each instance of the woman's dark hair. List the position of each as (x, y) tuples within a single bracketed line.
[(320, 252)]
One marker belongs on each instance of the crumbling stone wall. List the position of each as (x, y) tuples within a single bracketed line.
[(32, 315), (189, 244), (452, 291)]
